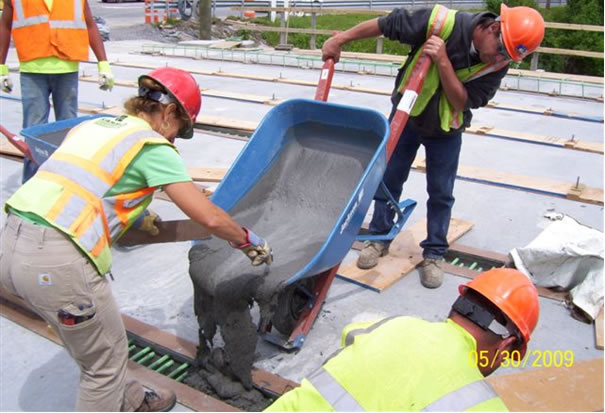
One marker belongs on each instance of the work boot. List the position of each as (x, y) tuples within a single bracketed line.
[(372, 250), (158, 401), (432, 274)]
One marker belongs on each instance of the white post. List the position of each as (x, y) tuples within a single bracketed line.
[(273, 5)]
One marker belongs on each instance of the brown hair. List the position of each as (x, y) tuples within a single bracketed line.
[(137, 104)]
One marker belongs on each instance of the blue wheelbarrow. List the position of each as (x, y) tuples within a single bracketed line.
[(304, 181)]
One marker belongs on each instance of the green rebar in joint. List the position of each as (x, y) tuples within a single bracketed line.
[(131, 347), (455, 260), (159, 361), (140, 354), (146, 358), (473, 265), (179, 369), (181, 377), (165, 366)]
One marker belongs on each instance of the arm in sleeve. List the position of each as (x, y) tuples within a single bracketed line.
[(481, 90), (405, 26)]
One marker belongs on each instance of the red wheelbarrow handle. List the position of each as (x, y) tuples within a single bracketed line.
[(404, 108), (18, 142), (325, 81)]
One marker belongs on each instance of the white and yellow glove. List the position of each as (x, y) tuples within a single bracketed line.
[(256, 249), (147, 222), (5, 81), (106, 79)]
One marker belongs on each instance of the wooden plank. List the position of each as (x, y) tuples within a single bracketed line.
[(569, 26), (170, 231), (540, 185), (7, 149), (207, 174), (225, 44), (404, 255), (598, 330), (575, 389), (577, 144), (569, 52)]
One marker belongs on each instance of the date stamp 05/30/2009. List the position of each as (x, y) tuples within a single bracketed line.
[(535, 358)]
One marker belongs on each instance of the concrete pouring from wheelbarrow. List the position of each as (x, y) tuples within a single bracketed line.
[(295, 206)]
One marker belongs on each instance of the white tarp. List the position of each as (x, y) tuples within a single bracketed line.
[(567, 255)]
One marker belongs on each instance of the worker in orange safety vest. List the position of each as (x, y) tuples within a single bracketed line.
[(51, 37)]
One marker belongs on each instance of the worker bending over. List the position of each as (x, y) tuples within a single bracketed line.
[(51, 38), (404, 364), (470, 55), (62, 222)]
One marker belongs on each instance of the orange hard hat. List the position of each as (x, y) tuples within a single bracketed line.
[(183, 88), (522, 30), (511, 292)]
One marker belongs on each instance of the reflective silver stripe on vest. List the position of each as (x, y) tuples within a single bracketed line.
[(463, 398), (85, 179), (333, 392), (109, 162), (67, 24), (354, 333), (91, 237), (487, 70), (131, 203), (21, 21), (72, 209), (440, 18)]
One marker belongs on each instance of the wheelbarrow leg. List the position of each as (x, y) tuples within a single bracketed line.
[(318, 294)]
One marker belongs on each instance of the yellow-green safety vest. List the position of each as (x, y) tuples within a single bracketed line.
[(69, 189), (441, 23), (359, 378)]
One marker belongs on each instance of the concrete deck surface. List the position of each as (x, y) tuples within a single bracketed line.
[(152, 283)]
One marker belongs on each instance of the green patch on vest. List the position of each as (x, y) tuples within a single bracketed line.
[(113, 123)]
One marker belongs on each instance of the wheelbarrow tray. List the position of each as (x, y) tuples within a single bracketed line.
[(44, 139), (304, 182)]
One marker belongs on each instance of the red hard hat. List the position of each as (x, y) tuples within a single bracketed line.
[(183, 88), (514, 294), (522, 30)]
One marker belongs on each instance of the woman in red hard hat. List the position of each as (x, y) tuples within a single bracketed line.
[(62, 222)]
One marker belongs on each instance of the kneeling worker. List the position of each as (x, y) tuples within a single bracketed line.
[(408, 364)]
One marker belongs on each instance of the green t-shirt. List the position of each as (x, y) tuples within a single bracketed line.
[(154, 165)]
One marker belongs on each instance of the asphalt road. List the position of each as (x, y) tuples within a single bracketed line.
[(119, 14)]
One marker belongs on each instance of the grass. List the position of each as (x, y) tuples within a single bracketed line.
[(337, 22)]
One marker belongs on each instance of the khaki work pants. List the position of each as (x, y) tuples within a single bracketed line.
[(45, 268)]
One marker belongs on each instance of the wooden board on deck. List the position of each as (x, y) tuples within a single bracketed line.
[(598, 330), (578, 388), (404, 255)]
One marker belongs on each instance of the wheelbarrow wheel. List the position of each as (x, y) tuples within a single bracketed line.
[(290, 305)]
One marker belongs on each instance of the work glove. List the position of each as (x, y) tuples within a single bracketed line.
[(256, 249), (5, 80), (147, 222), (106, 79)]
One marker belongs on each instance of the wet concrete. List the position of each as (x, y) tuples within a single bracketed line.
[(294, 206)]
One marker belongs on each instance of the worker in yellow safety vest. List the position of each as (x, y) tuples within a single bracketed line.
[(470, 53), (405, 364), (51, 38), (62, 222)]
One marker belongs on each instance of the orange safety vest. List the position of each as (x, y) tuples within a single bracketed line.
[(60, 32)]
